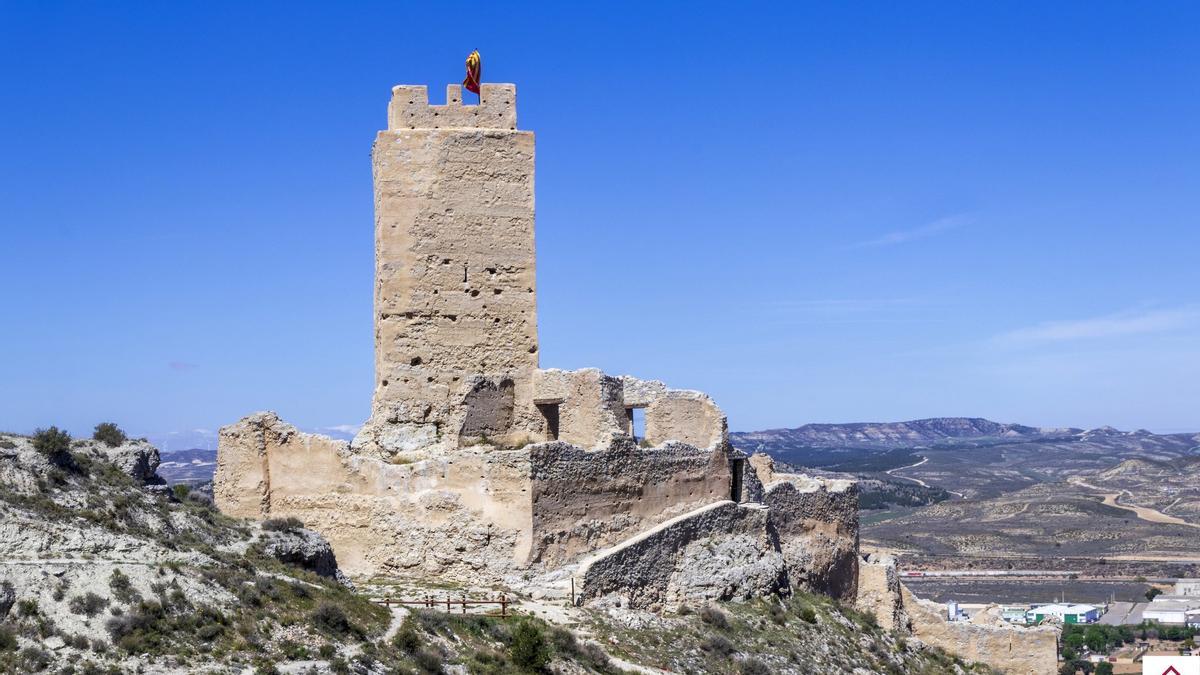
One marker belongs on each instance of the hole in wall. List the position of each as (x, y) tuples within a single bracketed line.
[(415, 361), (385, 383)]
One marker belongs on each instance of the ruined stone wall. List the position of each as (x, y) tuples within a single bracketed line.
[(722, 551), (986, 638), (675, 414), (879, 592), (817, 524), (803, 535), (586, 500), (462, 516), (591, 413), (455, 303)]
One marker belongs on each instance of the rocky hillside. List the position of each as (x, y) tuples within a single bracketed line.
[(107, 570)]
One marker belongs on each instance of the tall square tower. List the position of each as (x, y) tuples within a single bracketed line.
[(455, 303)]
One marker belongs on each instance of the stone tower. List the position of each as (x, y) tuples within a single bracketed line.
[(455, 304)]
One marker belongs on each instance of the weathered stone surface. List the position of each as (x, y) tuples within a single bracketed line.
[(660, 566), (986, 638), (7, 597), (138, 458), (730, 551), (583, 501), (465, 515), (475, 463), (304, 548), (816, 521), (454, 276), (879, 592)]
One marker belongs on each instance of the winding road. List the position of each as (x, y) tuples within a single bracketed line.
[(1143, 512), (918, 481)]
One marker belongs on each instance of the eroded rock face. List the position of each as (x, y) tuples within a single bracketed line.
[(879, 592), (137, 458), (986, 638), (304, 548), (728, 551)]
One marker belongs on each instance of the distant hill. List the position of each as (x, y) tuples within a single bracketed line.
[(886, 435), (193, 466)]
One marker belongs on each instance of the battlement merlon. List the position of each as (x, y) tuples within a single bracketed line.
[(410, 109)]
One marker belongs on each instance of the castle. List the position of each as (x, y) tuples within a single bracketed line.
[(478, 464)]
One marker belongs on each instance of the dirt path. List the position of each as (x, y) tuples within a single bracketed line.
[(1143, 512), (918, 481)]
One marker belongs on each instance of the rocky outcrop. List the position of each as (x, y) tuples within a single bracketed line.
[(305, 549), (137, 458)]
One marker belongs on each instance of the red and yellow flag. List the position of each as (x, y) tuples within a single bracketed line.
[(474, 72)]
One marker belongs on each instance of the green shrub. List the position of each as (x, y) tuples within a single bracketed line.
[(180, 491), (27, 607), (330, 619), (529, 649), (122, 588), (717, 644), (34, 659), (89, 604), (429, 661), (54, 445), (109, 434), (714, 617), (406, 639), (808, 615), (753, 666), (282, 524), (8, 639)]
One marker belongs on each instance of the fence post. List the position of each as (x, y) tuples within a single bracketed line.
[(572, 590), (503, 605), (447, 603)]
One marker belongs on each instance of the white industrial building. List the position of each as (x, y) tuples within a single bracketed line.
[(1064, 613), (1188, 587), (1179, 610)]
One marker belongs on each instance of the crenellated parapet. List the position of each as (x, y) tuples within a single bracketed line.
[(410, 109)]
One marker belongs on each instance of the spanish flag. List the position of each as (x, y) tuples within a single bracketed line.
[(474, 72)]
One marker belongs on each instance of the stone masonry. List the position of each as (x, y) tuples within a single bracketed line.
[(476, 463)]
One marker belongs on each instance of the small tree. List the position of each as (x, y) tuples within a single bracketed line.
[(54, 444), (109, 434), (1153, 593), (1104, 668), (529, 650)]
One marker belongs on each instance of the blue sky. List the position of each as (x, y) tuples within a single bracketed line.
[(816, 213)]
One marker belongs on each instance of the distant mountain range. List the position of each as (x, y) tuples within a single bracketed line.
[(196, 465), (887, 435)]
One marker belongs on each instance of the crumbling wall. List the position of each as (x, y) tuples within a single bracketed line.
[(816, 521), (879, 592), (590, 410), (454, 270), (675, 414), (464, 516), (986, 638), (586, 500), (722, 551)]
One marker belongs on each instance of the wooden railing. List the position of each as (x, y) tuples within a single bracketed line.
[(447, 604)]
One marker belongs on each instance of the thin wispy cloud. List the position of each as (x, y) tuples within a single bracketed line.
[(180, 365), (348, 429), (923, 232), (1112, 325)]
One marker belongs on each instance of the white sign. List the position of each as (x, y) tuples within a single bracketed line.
[(1171, 665)]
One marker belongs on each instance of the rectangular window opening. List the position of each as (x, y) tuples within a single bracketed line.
[(735, 488), (635, 423), (550, 412)]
